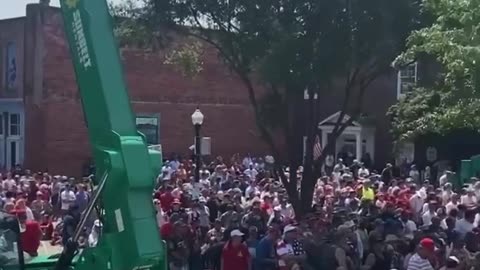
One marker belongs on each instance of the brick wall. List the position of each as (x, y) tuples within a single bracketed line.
[(155, 88), (56, 134)]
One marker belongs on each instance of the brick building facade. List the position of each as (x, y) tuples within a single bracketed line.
[(42, 97)]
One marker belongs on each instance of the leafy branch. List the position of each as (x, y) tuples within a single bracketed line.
[(450, 102)]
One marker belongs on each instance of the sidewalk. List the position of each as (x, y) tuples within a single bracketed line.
[(47, 249)]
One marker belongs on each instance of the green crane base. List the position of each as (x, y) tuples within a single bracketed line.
[(130, 238)]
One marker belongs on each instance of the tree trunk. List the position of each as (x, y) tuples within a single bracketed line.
[(308, 179), (294, 142)]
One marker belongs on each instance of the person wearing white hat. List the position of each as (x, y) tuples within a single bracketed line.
[(95, 233), (235, 255), (452, 263), (236, 233)]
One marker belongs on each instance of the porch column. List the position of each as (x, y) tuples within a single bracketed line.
[(324, 138), (358, 144)]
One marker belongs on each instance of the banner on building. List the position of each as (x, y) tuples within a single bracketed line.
[(11, 70)]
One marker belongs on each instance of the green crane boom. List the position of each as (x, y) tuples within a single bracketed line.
[(130, 238)]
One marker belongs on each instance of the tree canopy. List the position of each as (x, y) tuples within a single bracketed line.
[(451, 102), (286, 47)]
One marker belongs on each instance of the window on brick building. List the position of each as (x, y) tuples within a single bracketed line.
[(14, 124), (10, 66), (407, 79), (149, 126)]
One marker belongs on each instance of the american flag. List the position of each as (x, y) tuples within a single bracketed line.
[(317, 148)]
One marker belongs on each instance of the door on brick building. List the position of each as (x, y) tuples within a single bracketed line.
[(11, 139)]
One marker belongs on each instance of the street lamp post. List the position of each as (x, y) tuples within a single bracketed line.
[(197, 121)]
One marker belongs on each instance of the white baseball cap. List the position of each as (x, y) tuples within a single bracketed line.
[(453, 258), (289, 228), (236, 233)]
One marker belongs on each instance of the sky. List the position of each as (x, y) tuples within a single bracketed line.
[(16, 8)]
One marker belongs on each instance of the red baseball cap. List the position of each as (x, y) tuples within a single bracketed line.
[(428, 244)]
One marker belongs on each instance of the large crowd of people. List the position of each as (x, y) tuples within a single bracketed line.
[(48, 207), (237, 216)]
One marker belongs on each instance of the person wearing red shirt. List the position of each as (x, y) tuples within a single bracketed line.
[(235, 255), (31, 233), (166, 199), (404, 195), (166, 230), (267, 206)]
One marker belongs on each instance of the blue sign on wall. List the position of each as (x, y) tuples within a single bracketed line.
[(11, 66)]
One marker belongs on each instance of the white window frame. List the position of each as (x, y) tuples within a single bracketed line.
[(18, 124), (400, 76)]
